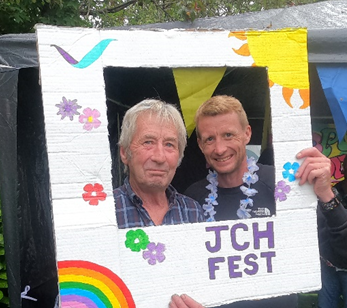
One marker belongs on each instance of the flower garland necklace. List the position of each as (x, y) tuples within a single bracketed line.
[(249, 177)]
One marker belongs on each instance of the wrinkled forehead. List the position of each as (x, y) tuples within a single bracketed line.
[(156, 121), (160, 118)]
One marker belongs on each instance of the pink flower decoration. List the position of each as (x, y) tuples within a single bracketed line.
[(94, 193), (90, 118)]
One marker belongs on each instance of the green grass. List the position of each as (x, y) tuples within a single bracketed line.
[(4, 301)]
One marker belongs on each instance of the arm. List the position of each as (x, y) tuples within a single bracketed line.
[(183, 301), (332, 223), (316, 170), (332, 226)]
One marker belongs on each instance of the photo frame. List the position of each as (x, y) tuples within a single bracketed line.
[(238, 260)]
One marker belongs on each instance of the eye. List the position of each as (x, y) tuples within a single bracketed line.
[(228, 135)]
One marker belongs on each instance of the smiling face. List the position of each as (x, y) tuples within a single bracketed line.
[(154, 154), (223, 142)]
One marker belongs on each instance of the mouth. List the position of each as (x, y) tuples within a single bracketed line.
[(223, 159), (157, 172)]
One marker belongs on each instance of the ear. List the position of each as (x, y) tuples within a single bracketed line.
[(123, 156), (248, 133)]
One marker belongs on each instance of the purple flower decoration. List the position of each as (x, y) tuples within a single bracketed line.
[(90, 119), (154, 253), (281, 191), (290, 170), (68, 108)]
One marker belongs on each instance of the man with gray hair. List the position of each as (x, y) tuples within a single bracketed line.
[(152, 142)]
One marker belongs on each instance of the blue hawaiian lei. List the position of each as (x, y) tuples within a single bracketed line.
[(249, 177)]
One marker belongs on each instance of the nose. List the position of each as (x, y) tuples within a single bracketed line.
[(219, 146), (158, 154)]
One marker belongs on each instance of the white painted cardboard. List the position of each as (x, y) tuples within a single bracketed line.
[(91, 250)]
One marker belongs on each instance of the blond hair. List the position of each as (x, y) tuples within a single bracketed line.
[(221, 104)]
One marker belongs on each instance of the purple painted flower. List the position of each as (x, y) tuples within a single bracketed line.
[(290, 170), (90, 119), (68, 108), (281, 191), (154, 253)]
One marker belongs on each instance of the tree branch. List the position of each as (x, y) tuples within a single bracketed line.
[(121, 7), (115, 9), (162, 8)]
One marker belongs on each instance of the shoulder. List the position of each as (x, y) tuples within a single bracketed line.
[(266, 174), (264, 169), (197, 185), (122, 198), (181, 199), (197, 190), (121, 190), (190, 208), (186, 200)]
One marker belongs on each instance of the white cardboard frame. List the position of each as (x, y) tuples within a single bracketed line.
[(78, 157)]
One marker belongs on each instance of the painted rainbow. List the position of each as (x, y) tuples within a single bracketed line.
[(85, 284)]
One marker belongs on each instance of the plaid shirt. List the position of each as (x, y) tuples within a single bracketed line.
[(130, 212)]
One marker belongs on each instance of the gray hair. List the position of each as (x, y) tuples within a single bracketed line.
[(162, 110)]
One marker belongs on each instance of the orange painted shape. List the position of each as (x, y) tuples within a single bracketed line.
[(243, 50), (287, 94), (305, 96), (241, 35)]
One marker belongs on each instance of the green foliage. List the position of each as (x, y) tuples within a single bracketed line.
[(21, 15), (18, 16), (159, 11), (4, 300)]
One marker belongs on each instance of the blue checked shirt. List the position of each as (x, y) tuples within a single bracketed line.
[(131, 214)]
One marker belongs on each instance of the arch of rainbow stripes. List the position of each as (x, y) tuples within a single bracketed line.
[(85, 284)]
